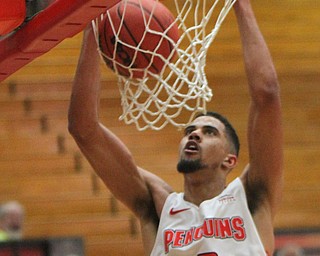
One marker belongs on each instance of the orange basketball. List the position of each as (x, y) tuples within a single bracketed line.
[(133, 33)]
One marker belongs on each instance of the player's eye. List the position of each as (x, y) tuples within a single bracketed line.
[(210, 131), (189, 130)]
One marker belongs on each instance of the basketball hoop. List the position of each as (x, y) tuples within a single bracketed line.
[(155, 100)]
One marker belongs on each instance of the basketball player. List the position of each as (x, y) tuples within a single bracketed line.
[(210, 217)]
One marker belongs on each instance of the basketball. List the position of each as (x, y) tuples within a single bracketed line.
[(127, 45)]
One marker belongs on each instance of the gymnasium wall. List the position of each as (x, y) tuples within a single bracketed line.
[(42, 167)]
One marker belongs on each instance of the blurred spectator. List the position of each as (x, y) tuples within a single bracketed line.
[(291, 250), (11, 221)]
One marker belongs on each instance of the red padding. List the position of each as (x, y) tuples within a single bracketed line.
[(62, 19), (12, 14)]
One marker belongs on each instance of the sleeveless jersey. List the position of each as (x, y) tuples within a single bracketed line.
[(221, 226)]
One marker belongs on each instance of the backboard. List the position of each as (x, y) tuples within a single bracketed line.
[(58, 21)]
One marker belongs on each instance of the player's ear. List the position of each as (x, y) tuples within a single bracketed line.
[(230, 162)]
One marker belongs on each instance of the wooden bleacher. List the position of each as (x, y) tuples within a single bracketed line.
[(63, 199)]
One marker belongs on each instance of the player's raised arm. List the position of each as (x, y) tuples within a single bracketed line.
[(109, 157), (263, 177)]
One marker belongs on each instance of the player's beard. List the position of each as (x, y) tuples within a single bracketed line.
[(189, 166)]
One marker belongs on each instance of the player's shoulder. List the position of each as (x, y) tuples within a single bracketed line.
[(159, 189)]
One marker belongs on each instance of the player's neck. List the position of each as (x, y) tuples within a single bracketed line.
[(201, 186)]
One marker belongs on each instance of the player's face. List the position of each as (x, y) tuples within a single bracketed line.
[(204, 145)]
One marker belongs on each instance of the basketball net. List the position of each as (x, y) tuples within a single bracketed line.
[(155, 100)]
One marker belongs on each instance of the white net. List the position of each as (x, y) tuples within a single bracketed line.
[(155, 99)]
